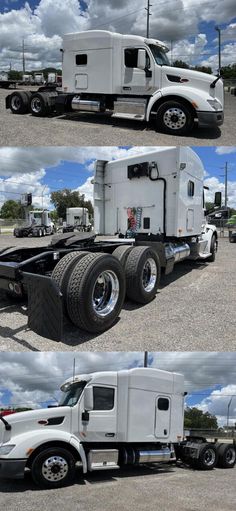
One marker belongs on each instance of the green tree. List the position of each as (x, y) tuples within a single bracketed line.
[(196, 419), (67, 198), (229, 71), (203, 69), (14, 75), (180, 63), (11, 209)]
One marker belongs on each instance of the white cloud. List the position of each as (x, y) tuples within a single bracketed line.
[(86, 189), (225, 149), (33, 378), (43, 27), (215, 185), (220, 403)]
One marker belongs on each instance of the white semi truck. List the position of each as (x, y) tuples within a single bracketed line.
[(77, 217), (39, 224), (129, 76), (154, 205), (106, 420)]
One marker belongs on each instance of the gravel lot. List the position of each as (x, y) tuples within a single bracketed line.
[(193, 310), (98, 129), (141, 489)]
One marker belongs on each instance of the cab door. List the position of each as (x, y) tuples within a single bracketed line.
[(100, 424), (135, 80)]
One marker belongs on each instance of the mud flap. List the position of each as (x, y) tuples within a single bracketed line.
[(45, 309)]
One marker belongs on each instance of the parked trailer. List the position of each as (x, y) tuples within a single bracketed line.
[(129, 76), (154, 203), (106, 421)]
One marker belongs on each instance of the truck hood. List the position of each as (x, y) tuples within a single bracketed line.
[(196, 79), (58, 417)]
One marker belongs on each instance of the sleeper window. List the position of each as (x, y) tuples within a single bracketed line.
[(81, 60), (103, 398), (190, 188), (163, 403)]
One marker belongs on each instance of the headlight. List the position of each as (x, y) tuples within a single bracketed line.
[(215, 104), (6, 449)]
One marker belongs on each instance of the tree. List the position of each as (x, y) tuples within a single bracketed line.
[(67, 198), (203, 69), (11, 209), (180, 63), (196, 419), (14, 75)]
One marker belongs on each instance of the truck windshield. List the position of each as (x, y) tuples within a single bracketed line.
[(71, 396), (159, 55)]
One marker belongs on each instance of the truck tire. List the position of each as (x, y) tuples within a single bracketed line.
[(19, 102), (53, 468), (213, 249), (96, 292), (39, 105), (207, 459), (174, 117), (44, 232), (121, 253), (142, 273), (40, 233), (63, 270), (226, 456)]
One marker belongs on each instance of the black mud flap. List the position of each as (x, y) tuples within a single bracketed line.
[(45, 309)]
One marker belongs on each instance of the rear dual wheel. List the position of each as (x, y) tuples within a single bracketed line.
[(142, 271), (226, 456), (93, 286), (19, 102)]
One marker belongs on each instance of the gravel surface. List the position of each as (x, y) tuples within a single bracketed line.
[(142, 489), (82, 129), (194, 310)]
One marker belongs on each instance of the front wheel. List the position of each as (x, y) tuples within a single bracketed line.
[(53, 468), (175, 118), (213, 249)]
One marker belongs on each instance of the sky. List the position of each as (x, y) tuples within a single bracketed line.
[(42, 170), (33, 379), (188, 26)]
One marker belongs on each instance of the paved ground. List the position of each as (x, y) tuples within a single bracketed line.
[(141, 489), (193, 310), (98, 129)]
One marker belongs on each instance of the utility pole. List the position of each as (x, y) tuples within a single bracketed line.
[(229, 403), (148, 16), (226, 183), (145, 363), (218, 29), (23, 55)]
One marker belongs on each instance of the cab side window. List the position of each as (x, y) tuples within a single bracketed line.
[(131, 57), (103, 398)]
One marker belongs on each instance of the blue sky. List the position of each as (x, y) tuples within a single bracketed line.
[(186, 25), (33, 379)]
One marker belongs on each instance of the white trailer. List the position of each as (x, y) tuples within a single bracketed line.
[(129, 76), (77, 217), (106, 420)]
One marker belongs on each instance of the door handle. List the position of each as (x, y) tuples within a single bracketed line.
[(110, 434)]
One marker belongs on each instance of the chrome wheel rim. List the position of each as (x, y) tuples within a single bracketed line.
[(230, 455), (55, 468), (174, 118), (105, 293), (15, 103), (36, 105), (209, 457), (149, 275)]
